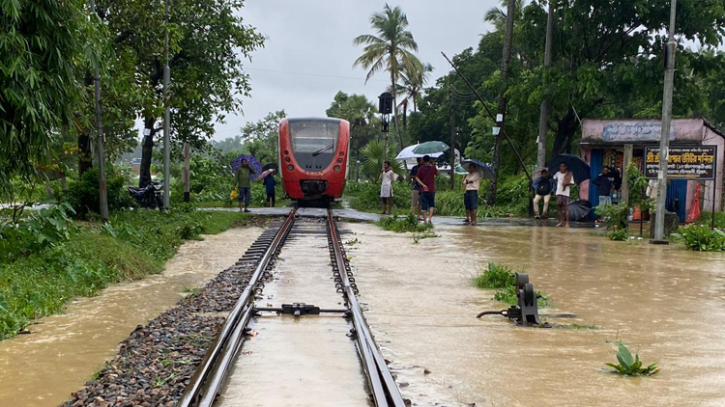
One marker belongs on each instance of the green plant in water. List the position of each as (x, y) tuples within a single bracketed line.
[(495, 276), (402, 225), (620, 235), (631, 365), (701, 238)]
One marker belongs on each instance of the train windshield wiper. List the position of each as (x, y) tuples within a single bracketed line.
[(318, 152)]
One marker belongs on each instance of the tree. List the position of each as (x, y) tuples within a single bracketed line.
[(208, 42), (261, 138), (391, 50), (412, 83), (372, 155), (360, 112), (497, 16), (38, 82)]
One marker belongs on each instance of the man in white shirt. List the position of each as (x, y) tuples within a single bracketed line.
[(564, 180), (472, 181), (386, 189)]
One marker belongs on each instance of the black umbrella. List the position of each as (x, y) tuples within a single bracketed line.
[(576, 165), (270, 166), (579, 210)]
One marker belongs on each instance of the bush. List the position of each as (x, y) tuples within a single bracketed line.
[(619, 235), (514, 193), (631, 366), (614, 216), (83, 195), (701, 238), (35, 232), (495, 276)]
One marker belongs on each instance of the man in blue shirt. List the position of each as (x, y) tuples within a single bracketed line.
[(415, 196), (269, 184)]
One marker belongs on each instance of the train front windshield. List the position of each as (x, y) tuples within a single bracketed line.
[(314, 142)]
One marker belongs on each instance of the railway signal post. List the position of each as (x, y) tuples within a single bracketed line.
[(385, 108)]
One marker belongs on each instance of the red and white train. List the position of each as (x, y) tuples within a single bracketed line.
[(314, 158)]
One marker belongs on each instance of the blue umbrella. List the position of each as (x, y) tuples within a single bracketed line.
[(253, 163), (483, 169), (576, 165)]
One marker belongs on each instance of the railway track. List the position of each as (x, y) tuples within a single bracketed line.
[(208, 382)]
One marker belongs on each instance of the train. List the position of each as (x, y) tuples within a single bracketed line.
[(314, 158)]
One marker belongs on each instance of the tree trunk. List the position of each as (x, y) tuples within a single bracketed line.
[(502, 100), (85, 152), (393, 78), (186, 174), (147, 149), (568, 125), (544, 114)]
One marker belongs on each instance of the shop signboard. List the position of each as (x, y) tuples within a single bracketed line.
[(696, 163)]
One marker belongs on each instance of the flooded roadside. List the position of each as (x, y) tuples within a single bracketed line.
[(63, 351), (663, 302)]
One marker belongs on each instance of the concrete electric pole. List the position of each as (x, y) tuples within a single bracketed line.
[(544, 117), (167, 117), (670, 51), (103, 198)]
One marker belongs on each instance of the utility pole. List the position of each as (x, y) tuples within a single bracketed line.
[(186, 174), (543, 119), (500, 117), (670, 51), (453, 138), (103, 199), (386, 106), (167, 117)]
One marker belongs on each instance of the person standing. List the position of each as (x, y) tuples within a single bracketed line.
[(386, 188), (604, 187), (564, 180), (472, 181), (242, 180), (426, 180), (415, 194), (544, 186), (269, 184)]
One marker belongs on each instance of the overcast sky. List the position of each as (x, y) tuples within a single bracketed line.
[(308, 54)]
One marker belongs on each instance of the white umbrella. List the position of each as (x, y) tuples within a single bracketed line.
[(407, 153)]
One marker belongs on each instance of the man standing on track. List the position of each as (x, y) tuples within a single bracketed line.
[(427, 181), (243, 181), (415, 195)]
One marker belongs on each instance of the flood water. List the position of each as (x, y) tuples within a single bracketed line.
[(64, 351), (305, 361), (665, 302)]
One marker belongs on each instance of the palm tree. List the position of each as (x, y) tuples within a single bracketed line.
[(412, 83), (373, 158), (391, 50), (497, 15)]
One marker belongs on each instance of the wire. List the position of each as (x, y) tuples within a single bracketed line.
[(314, 74)]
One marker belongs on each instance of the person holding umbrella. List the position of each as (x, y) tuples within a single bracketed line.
[(269, 184), (544, 186), (426, 180), (242, 181), (472, 181), (564, 180)]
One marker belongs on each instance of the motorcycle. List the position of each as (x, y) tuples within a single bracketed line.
[(151, 196)]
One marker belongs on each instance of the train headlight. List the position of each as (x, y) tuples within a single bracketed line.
[(337, 168), (286, 152), (287, 159), (290, 167), (339, 160)]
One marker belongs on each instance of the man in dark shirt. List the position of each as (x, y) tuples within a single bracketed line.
[(604, 187), (415, 196), (269, 184), (427, 181)]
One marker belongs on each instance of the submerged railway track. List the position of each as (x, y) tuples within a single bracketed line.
[(210, 379)]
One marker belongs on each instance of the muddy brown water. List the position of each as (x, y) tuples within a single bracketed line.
[(305, 361), (667, 303), (64, 351)]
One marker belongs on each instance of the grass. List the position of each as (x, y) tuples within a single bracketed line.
[(501, 278), (402, 225), (133, 245)]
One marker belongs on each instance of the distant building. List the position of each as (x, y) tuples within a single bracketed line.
[(603, 144)]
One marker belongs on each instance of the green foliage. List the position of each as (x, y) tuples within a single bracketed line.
[(372, 155), (80, 262), (83, 195), (619, 235), (706, 219), (615, 216), (360, 112), (495, 276), (631, 365), (402, 225), (701, 238), (35, 232)]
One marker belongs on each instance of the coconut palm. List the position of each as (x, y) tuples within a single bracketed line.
[(373, 158), (497, 15), (412, 83), (390, 50)]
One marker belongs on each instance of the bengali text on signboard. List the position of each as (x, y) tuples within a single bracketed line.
[(691, 163)]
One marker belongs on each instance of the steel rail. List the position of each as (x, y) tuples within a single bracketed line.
[(382, 384), (225, 346)]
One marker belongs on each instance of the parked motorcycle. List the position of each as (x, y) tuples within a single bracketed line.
[(150, 196)]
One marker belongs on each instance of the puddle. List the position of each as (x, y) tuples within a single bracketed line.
[(306, 361), (666, 303), (64, 351)]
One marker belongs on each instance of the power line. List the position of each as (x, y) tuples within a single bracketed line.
[(314, 74)]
